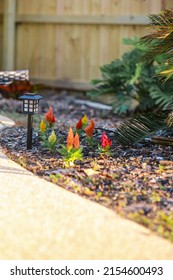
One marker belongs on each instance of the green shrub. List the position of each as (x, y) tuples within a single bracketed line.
[(132, 85)]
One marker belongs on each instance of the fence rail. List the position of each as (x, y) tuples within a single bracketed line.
[(82, 20)]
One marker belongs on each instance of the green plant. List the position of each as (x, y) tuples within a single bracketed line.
[(89, 130), (50, 117), (48, 136), (137, 128), (82, 124), (159, 41), (158, 44), (49, 142), (72, 151), (105, 144), (132, 85), (43, 128)]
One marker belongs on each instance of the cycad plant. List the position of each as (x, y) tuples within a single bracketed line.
[(133, 86), (158, 42)]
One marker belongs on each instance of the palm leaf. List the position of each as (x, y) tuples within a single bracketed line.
[(136, 129), (162, 96), (162, 24), (167, 74), (159, 41)]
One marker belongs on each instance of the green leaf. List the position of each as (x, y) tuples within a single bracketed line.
[(136, 129)]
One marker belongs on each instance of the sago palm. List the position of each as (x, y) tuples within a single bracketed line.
[(158, 42)]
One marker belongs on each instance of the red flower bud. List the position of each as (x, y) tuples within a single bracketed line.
[(89, 130), (49, 116), (105, 141), (79, 124)]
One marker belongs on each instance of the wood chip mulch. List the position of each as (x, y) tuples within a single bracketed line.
[(135, 181)]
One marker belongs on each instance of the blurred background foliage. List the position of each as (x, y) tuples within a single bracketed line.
[(131, 85)]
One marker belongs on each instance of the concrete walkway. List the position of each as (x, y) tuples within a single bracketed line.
[(41, 221)]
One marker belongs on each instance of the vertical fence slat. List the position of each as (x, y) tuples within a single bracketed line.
[(1, 31), (9, 34)]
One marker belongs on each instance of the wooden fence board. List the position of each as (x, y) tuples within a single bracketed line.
[(9, 35), (1, 32), (1, 47)]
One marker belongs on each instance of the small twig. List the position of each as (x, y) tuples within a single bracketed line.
[(101, 155)]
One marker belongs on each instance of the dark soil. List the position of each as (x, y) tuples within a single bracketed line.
[(135, 181)]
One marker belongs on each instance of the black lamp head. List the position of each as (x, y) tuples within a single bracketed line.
[(30, 103)]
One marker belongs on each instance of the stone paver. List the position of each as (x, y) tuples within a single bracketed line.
[(4, 122), (39, 220)]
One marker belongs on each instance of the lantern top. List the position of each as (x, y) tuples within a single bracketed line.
[(30, 96)]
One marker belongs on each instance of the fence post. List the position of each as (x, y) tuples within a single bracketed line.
[(9, 34)]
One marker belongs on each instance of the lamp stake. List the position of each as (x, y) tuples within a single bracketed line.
[(29, 132)]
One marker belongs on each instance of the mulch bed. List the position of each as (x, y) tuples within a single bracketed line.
[(135, 181)]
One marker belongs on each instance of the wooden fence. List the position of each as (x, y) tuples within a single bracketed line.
[(64, 42), (1, 33)]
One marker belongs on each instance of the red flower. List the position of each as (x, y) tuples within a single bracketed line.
[(49, 116), (79, 124), (105, 141), (89, 130)]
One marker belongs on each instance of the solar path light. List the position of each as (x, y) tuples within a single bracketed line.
[(30, 100), (30, 107)]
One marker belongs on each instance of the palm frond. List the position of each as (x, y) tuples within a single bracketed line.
[(136, 129), (165, 18), (169, 119), (159, 47), (159, 41), (161, 96), (167, 73)]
